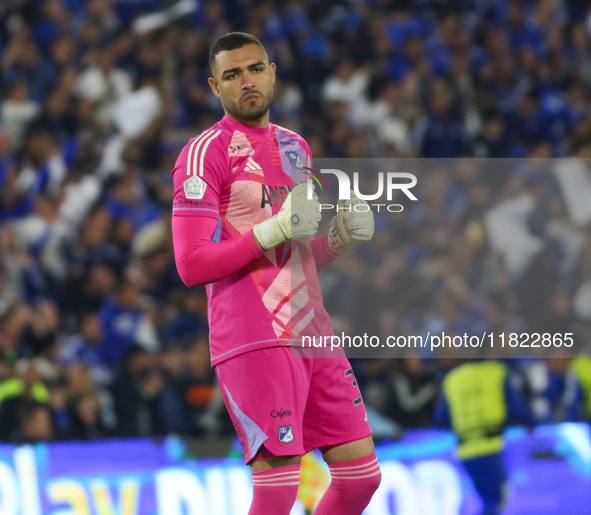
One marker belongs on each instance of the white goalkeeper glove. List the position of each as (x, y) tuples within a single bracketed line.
[(297, 218), (350, 227)]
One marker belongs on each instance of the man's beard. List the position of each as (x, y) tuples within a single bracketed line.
[(249, 111)]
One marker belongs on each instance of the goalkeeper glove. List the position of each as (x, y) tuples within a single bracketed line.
[(297, 218), (350, 227)]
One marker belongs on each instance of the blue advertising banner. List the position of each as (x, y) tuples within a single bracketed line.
[(549, 474)]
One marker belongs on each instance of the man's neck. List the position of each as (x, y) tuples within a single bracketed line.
[(261, 122)]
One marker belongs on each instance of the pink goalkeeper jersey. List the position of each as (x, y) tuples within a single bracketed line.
[(240, 175)]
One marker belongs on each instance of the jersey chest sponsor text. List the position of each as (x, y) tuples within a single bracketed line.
[(274, 195)]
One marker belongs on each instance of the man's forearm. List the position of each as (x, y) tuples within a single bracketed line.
[(323, 256), (201, 262)]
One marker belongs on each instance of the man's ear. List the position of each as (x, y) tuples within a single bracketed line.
[(273, 68), (213, 84)]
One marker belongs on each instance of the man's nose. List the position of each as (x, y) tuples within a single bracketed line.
[(248, 84)]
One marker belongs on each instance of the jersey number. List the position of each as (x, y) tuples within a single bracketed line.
[(348, 373)]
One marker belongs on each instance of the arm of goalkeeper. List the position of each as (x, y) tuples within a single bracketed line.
[(351, 226)]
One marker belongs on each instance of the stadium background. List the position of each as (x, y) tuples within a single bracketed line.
[(98, 336)]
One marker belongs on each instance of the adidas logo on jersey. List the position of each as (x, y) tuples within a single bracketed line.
[(252, 165)]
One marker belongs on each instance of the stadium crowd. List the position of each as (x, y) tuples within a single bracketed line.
[(98, 335)]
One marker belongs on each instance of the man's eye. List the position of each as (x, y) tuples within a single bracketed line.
[(258, 70)]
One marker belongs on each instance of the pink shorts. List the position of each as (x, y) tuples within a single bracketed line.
[(291, 405)]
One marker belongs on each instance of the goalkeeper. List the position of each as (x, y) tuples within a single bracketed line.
[(243, 225)]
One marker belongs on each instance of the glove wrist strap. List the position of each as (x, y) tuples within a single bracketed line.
[(335, 243), (268, 234)]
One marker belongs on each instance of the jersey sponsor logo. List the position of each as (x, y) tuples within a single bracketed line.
[(252, 165), (280, 142), (240, 145), (234, 149), (274, 195), (194, 187), (285, 434), (202, 203), (281, 413)]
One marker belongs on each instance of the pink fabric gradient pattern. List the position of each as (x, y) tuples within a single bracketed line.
[(226, 180), (352, 486), (275, 490)]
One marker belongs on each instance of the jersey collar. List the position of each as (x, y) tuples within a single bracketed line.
[(257, 132)]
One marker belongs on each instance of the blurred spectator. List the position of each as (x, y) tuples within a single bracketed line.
[(444, 134), (347, 85), (84, 349), (476, 402), (58, 400), (405, 392), (103, 83), (554, 394), (22, 61), (414, 393), (57, 116), (35, 424), (85, 413), (578, 404), (142, 397), (198, 385), (124, 324), (16, 112), (188, 319), (16, 393)]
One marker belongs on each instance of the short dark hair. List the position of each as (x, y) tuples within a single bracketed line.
[(232, 41)]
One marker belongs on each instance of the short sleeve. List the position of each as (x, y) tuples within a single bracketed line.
[(199, 176), (306, 147)]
